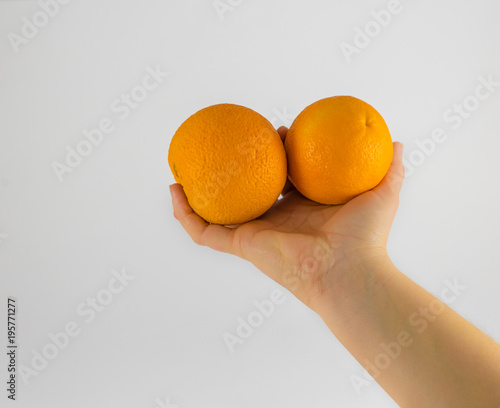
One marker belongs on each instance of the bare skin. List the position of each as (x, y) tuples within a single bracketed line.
[(334, 259)]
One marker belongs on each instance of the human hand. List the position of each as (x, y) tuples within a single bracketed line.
[(334, 259), (303, 245)]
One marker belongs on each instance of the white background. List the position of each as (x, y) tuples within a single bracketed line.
[(160, 339)]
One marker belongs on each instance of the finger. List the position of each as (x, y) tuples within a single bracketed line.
[(390, 186), (201, 232), (282, 132)]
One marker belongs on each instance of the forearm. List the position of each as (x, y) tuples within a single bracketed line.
[(417, 348)]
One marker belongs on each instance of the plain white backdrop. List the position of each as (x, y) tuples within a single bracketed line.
[(158, 341)]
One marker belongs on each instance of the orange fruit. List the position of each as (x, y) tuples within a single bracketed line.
[(337, 148), (230, 161)]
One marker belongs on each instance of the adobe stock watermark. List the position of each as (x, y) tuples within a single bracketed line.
[(245, 327), (363, 37), (225, 6), (30, 27), (310, 268), (282, 118), (121, 107), (86, 311), (164, 403), (303, 273), (419, 320), (249, 151), (453, 117)]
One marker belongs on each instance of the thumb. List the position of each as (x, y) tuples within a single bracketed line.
[(390, 186)]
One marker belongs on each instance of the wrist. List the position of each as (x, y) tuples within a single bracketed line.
[(352, 281)]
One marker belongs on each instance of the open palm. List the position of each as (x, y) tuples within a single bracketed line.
[(297, 242)]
